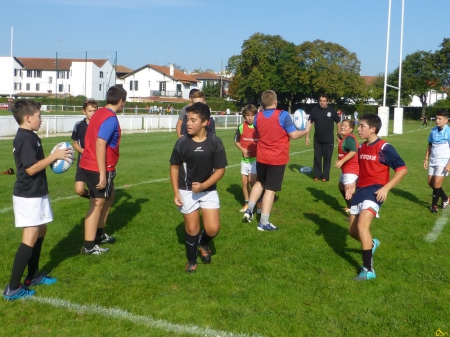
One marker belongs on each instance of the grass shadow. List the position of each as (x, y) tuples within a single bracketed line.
[(410, 197), (236, 191), (329, 200), (296, 168), (336, 237), (180, 231)]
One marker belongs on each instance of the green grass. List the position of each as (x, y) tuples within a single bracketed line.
[(297, 281)]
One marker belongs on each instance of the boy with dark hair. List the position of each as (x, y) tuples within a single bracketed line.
[(245, 139), (196, 97), (99, 160), (182, 115), (275, 128), (32, 210), (78, 134), (375, 157), (197, 163), (438, 152)]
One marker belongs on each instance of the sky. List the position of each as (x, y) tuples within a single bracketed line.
[(204, 34)]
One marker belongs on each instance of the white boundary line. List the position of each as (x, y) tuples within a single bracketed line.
[(138, 319), (438, 227)]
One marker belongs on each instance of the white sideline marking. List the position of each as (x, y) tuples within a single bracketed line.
[(144, 320), (438, 227)]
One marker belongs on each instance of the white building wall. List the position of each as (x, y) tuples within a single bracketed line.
[(7, 79)]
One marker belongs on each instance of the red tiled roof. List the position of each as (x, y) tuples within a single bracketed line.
[(368, 80), (36, 63), (122, 69), (177, 75), (206, 75)]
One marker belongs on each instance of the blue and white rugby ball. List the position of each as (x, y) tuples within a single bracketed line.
[(300, 119), (61, 166)]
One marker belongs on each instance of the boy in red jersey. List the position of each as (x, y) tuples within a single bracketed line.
[(275, 128), (245, 139), (100, 156), (348, 160), (375, 157)]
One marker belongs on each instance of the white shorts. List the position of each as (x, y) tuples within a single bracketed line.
[(248, 168), (30, 212), (193, 201), (366, 204), (348, 178), (437, 171)]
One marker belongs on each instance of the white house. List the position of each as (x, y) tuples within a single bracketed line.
[(34, 77), (206, 77), (153, 82), (11, 76)]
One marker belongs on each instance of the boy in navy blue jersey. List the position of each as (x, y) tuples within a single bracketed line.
[(32, 210), (197, 163), (375, 157), (78, 133)]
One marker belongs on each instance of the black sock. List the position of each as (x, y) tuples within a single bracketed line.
[(23, 254), (33, 262), (191, 243), (88, 245), (436, 195), (346, 201), (99, 232), (443, 195), (205, 239), (367, 258)]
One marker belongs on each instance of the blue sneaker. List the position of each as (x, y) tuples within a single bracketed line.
[(365, 275), (20, 292), (375, 244), (248, 216), (41, 279), (266, 228)]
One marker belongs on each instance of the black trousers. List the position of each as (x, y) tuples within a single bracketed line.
[(322, 159)]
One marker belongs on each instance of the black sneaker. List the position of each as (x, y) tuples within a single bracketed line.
[(433, 209), (94, 251), (105, 238), (190, 267), (204, 253)]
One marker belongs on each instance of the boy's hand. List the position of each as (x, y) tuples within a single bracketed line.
[(63, 154), (349, 191), (382, 194), (177, 200), (338, 164), (425, 164), (245, 153), (102, 182), (197, 187)]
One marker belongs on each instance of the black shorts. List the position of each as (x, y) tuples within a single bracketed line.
[(79, 175), (270, 176), (92, 179)]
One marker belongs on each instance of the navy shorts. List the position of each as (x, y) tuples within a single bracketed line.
[(365, 198), (270, 176)]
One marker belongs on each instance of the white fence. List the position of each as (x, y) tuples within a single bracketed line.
[(146, 123)]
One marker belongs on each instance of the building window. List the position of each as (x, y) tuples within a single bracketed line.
[(67, 74), (133, 85), (50, 79), (28, 87), (16, 72), (38, 73), (61, 74), (17, 86), (60, 88), (38, 87), (149, 84), (29, 73), (162, 86), (69, 87), (99, 87), (101, 74)]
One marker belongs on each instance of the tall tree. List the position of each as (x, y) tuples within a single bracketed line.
[(442, 60), (266, 62), (419, 76), (330, 68)]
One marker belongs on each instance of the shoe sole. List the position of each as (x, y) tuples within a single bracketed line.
[(247, 219)]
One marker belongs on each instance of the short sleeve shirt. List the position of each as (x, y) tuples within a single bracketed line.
[(78, 134), (198, 161), (324, 120), (27, 152), (440, 146)]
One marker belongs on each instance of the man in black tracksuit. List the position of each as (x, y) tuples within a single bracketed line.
[(323, 117)]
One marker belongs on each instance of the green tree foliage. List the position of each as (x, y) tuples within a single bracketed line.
[(211, 89), (330, 68), (419, 75), (266, 62), (442, 60), (374, 90)]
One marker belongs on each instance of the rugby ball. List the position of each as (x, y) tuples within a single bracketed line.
[(300, 119), (61, 166)]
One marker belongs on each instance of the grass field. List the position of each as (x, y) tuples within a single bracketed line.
[(297, 281)]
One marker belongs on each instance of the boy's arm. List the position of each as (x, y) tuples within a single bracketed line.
[(63, 154), (427, 157), (100, 151), (213, 179), (346, 158), (77, 146), (174, 172), (242, 149), (310, 122), (298, 134), (178, 127), (398, 176)]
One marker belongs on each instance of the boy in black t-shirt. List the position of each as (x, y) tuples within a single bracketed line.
[(32, 210), (78, 133), (197, 163)]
